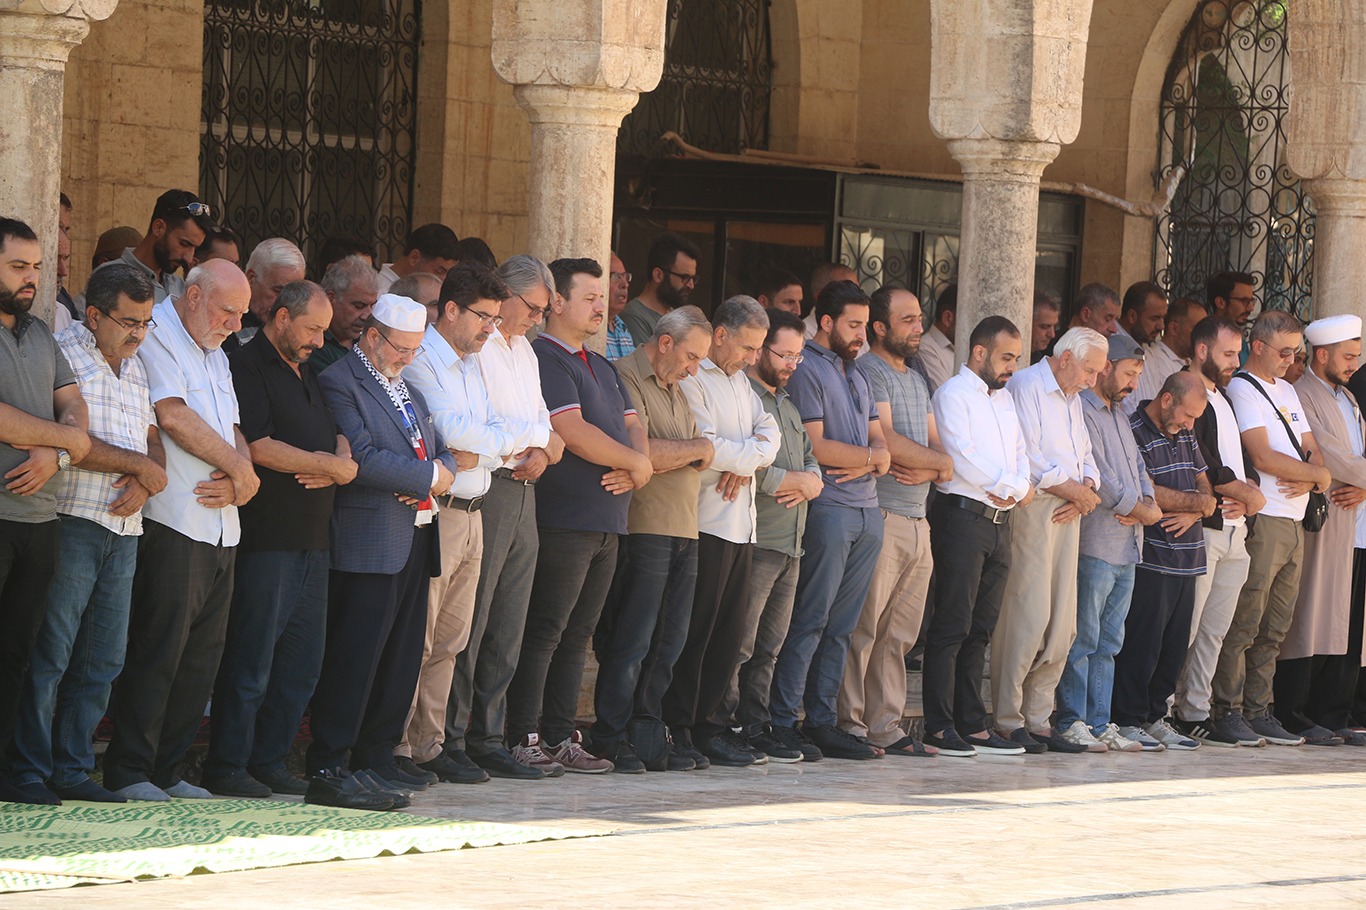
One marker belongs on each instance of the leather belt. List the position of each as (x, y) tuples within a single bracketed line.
[(995, 516), (461, 505), (506, 474)]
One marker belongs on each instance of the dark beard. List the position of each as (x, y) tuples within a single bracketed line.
[(994, 381), (12, 304), (670, 296), (162, 254), (767, 374), (1210, 371), (904, 348), (844, 350)]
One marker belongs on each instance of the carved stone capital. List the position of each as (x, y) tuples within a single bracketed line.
[(613, 44), (31, 36), (1007, 160), (72, 9)]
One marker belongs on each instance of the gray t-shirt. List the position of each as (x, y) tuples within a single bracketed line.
[(32, 367), (909, 397)]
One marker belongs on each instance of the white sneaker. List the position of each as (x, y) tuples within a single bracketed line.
[(1118, 742), (1080, 735), (1163, 732), (1140, 736)]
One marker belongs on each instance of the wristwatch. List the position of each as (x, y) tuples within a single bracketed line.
[(63, 459)]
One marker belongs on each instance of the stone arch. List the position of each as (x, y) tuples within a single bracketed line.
[(1137, 242)]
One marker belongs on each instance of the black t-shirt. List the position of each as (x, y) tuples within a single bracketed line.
[(276, 402)]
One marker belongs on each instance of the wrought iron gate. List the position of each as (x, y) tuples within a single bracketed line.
[(1239, 206), (718, 76), (308, 118)]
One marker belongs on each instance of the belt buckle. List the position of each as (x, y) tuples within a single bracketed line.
[(999, 516), (475, 504)]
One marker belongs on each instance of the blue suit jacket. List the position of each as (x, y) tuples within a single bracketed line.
[(372, 531)]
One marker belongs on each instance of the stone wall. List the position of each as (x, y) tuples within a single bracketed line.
[(473, 140), (131, 119)]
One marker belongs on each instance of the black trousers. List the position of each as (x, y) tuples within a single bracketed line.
[(1156, 637), (573, 574), (1319, 690), (972, 562), (376, 627), (28, 561), (716, 644), (182, 591)]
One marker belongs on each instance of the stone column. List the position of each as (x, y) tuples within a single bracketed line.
[(1326, 143), (577, 67), (1005, 92), (36, 39)]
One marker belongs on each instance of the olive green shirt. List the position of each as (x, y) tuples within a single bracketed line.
[(781, 528), (667, 505)]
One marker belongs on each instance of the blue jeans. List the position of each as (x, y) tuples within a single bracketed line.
[(842, 546), (643, 630), (78, 655), (1088, 678), (271, 658)]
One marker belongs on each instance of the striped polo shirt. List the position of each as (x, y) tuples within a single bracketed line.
[(1173, 462)]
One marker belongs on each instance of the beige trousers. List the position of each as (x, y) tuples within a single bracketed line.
[(1038, 616), (872, 699), (450, 607)]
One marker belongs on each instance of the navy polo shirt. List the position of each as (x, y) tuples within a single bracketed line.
[(570, 495), (827, 389), (1173, 462)]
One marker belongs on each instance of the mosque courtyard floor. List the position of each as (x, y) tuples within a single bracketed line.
[(1218, 828)]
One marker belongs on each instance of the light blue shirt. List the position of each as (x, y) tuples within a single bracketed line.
[(177, 367), (461, 409), (1054, 428)]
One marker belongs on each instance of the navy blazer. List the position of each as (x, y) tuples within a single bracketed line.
[(372, 531)]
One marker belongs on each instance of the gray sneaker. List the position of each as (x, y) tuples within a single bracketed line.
[(1271, 730), (1234, 725)]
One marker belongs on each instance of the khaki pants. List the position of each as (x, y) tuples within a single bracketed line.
[(1216, 598), (872, 697), (1247, 660), (450, 607), (1038, 616)]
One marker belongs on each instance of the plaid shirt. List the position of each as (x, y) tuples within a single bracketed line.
[(120, 413), (619, 341)]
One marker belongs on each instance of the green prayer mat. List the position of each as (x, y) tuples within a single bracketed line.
[(55, 847)]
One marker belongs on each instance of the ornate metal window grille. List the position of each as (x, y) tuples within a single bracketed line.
[(1239, 207), (308, 118), (718, 76)]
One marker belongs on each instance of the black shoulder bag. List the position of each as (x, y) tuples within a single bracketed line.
[(1316, 512)]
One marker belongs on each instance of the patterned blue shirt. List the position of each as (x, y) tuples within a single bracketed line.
[(619, 341), (1174, 462)]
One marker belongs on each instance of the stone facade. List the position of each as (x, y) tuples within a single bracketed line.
[(852, 82)]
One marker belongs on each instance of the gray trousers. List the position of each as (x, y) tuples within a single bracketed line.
[(772, 590), (477, 710)]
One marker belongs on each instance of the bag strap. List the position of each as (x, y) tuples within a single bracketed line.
[(1245, 377)]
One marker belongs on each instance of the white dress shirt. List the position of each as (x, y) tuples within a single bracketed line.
[(732, 418), (1054, 426), (936, 352), (179, 368), (980, 431), (387, 277), (460, 408), (1159, 362), (512, 378)]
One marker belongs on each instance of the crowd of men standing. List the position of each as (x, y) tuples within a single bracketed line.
[(407, 501)]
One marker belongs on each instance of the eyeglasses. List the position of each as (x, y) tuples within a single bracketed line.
[(132, 325), (534, 309), (686, 279), (1245, 300), (402, 352), (792, 359), (624, 276), (487, 319), (197, 209)]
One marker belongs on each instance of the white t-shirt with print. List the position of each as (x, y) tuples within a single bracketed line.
[(1253, 410)]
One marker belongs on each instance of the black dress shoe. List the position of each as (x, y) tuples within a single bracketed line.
[(500, 763), (280, 780), (340, 788), (237, 784), (412, 771), (684, 756), (623, 758), (402, 798), (725, 749), (447, 766), (835, 743)]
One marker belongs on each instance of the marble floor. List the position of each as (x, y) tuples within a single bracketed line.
[(1218, 828)]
